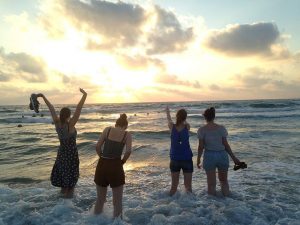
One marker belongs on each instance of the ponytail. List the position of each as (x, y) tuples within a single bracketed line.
[(180, 116)]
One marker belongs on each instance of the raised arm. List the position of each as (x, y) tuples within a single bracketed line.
[(50, 107), (170, 122), (128, 148), (77, 112), (229, 151)]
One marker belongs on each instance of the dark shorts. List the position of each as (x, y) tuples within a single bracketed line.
[(109, 172), (186, 166)]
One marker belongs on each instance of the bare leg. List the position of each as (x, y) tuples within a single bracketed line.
[(63, 190), (117, 200), (224, 182), (211, 182), (188, 181), (175, 181), (101, 199), (68, 192)]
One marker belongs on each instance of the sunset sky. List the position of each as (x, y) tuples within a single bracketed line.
[(149, 51)]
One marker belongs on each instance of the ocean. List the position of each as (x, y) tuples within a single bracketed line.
[(263, 133)]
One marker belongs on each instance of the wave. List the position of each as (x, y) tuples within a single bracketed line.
[(272, 105), (27, 120), (22, 180), (258, 116), (8, 111)]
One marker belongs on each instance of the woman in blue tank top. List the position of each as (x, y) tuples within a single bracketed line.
[(180, 151)]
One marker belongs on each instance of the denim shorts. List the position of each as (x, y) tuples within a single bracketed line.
[(215, 159), (186, 166)]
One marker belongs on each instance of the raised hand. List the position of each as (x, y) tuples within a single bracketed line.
[(82, 91), (39, 95)]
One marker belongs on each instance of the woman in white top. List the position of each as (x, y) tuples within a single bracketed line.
[(213, 138)]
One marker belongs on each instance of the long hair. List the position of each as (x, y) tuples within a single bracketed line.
[(122, 121), (180, 116), (209, 114), (64, 114)]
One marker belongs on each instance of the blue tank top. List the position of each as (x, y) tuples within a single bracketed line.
[(180, 144)]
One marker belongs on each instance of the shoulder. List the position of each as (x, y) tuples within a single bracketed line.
[(128, 136), (170, 125), (221, 127), (200, 132), (223, 130), (188, 126), (106, 129)]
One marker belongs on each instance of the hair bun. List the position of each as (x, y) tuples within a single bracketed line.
[(123, 116), (212, 109)]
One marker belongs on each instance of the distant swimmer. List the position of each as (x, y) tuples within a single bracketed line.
[(135, 114), (65, 171), (213, 140), (109, 169), (181, 156), (20, 125)]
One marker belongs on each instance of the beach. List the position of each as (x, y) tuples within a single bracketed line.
[(263, 133)]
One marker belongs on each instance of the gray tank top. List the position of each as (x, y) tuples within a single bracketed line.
[(113, 149)]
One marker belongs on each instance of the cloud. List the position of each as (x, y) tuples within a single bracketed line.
[(267, 83), (22, 66), (214, 87), (140, 62), (118, 23), (248, 39), (4, 77), (73, 83), (163, 94), (108, 26), (174, 80), (168, 34)]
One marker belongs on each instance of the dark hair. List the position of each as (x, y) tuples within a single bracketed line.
[(122, 121), (209, 114), (64, 114), (180, 116)]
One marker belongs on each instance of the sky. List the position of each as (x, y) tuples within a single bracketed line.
[(149, 51)]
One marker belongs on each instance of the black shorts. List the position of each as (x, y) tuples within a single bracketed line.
[(186, 166), (109, 172)]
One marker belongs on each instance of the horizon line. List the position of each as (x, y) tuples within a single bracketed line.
[(104, 103)]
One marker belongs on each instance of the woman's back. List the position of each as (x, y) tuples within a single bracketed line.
[(114, 143), (63, 131), (180, 145), (212, 135)]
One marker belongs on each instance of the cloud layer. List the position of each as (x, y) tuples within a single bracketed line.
[(247, 39), (116, 25), (22, 66)]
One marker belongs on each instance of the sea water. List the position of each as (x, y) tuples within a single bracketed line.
[(263, 133)]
